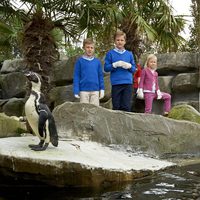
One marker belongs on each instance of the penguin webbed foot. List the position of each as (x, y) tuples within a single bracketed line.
[(37, 145), (40, 148)]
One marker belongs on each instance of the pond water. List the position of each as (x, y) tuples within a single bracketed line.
[(179, 183)]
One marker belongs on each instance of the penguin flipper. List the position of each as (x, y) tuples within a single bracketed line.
[(43, 116), (53, 132)]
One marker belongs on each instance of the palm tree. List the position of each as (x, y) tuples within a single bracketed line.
[(40, 18), (148, 22), (144, 21), (37, 44), (194, 42)]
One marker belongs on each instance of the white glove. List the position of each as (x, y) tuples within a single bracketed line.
[(126, 65), (140, 93), (159, 94), (77, 96), (117, 64), (101, 94)]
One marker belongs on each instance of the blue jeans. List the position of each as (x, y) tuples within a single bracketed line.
[(121, 97)]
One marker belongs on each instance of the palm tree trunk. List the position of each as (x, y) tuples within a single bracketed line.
[(39, 48)]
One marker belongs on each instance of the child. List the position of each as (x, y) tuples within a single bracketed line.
[(120, 63), (148, 86), (136, 78), (88, 80)]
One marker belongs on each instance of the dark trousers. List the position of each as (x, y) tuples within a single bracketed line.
[(121, 97)]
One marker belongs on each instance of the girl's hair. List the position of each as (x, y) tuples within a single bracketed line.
[(149, 57), (87, 41), (120, 33)]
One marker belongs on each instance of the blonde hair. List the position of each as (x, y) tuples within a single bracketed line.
[(120, 33), (87, 41), (149, 57)]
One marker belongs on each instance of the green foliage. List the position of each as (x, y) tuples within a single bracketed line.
[(71, 50), (149, 24), (194, 42), (10, 37)]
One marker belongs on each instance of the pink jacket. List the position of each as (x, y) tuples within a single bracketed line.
[(147, 78)]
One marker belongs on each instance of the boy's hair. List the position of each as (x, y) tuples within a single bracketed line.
[(150, 56), (88, 41), (120, 33)]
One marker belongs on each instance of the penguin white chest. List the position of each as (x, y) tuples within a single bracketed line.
[(31, 114)]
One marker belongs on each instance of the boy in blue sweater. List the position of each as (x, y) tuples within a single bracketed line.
[(121, 65), (88, 83)]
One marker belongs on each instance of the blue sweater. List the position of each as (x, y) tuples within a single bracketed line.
[(88, 75), (119, 75)]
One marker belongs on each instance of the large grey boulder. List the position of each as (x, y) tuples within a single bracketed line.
[(15, 65), (180, 62), (193, 103), (165, 83), (59, 95), (63, 71), (185, 82), (14, 107), (13, 85), (10, 126), (185, 112), (154, 134)]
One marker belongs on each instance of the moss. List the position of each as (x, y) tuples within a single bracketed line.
[(185, 112), (10, 126)]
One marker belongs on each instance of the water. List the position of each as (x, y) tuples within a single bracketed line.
[(180, 183)]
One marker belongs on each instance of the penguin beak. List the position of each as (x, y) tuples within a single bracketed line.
[(27, 74)]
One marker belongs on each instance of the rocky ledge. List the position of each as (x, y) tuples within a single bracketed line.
[(74, 163)]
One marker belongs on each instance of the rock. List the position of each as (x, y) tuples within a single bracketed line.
[(165, 83), (107, 104), (174, 63), (10, 126), (2, 103), (185, 112), (74, 163), (193, 103), (60, 72), (185, 82), (63, 71), (153, 134), (13, 85), (107, 89), (59, 95), (15, 65), (14, 107)]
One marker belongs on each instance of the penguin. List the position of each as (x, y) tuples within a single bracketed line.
[(39, 115)]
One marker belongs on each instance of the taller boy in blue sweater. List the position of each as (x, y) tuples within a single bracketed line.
[(121, 65), (88, 83)]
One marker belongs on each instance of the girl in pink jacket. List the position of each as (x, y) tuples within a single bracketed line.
[(149, 88)]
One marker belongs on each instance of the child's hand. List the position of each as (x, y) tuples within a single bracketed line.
[(122, 64), (159, 94), (117, 64), (126, 65), (140, 93), (77, 96), (101, 94)]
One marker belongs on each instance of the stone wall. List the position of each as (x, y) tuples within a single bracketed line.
[(178, 75)]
